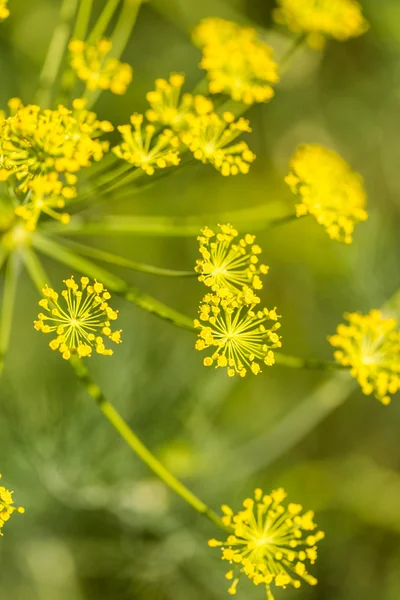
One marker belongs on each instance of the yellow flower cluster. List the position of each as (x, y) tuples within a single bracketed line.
[(270, 543), (239, 335), (6, 506), (36, 142), (339, 19), (237, 62), (81, 322), (370, 346), (44, 196), (4, 12), (328, 189), (98, 70)]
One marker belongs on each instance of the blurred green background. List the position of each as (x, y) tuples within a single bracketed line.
[(98, 525)]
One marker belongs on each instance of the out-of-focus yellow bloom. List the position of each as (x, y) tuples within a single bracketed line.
[(210, 138), (237, 333), (44, 196), (81, 321), (7, 507), (139, 150), (370, 346), (4, 12), (227, 263), (270, 543), (98, 70), (328, 189), (170, 107), (237, 62), (36, 142), (339, 19)]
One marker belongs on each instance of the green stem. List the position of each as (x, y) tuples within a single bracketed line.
[(290, 52), (103, 21), (8, 301), (55, 53), (296, 362), (82, 20), (138, 446)]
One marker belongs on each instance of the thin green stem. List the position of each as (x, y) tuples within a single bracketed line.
[(103, 21), (290, 52), (138, 447), (8, 302), (82, 20), (296, 362), (55, 53), (35, 269)]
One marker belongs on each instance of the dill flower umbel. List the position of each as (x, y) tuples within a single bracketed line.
[(98, 70), (210, 138), (237, 333), (237, 62), (4, 12), (143, 149), (370, 346), (339, 19), (44, 195), (6, 506), (37, 142), (270, 543), (227, 263), (170, 107), (80, 321), (328, 189)]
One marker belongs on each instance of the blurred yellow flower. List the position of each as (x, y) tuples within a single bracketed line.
[(37, 142), (98, 70), (44, 195), (4, 12), (270, 543), (170, 107), (229, 264), (328, 189), (370, 346), (210, 138), (81, 322), (237, 333), (237, 62), (143, 149), (339, 19), (6, 506)]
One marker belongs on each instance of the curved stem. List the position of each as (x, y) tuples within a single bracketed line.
[(138, 447)]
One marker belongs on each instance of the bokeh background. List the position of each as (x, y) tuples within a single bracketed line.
[(98, 525)]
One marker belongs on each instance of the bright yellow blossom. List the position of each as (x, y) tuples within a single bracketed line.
[(370, 346), (145, 150), (170, 107), (80, 321), (98, 70), (237, 333), (210, 138), (237, 62), (44, 195), (36, 142), (339, 19), (6, 506), (270, 543), (227, 263), (328, 189), (4, 12)]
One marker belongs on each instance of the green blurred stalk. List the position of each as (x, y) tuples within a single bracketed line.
[(103, 21), (82, 20), (8, 301)]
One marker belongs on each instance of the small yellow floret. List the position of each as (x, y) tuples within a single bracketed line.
[(6, 506), (45, 195), (268, 544), (4, 12), (370, 346), (81, 322), (328, 189)]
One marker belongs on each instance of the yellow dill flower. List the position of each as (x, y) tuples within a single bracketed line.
[(143, 150), (4, 12), (339, 19), (227, 263), (6, 506), (37, 142), (328, 189), (270, 543), (370, 346), (44, 196), (170, 107), (237, 62), (236, 333), (210, 138), (80, 321), (98, 70)]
